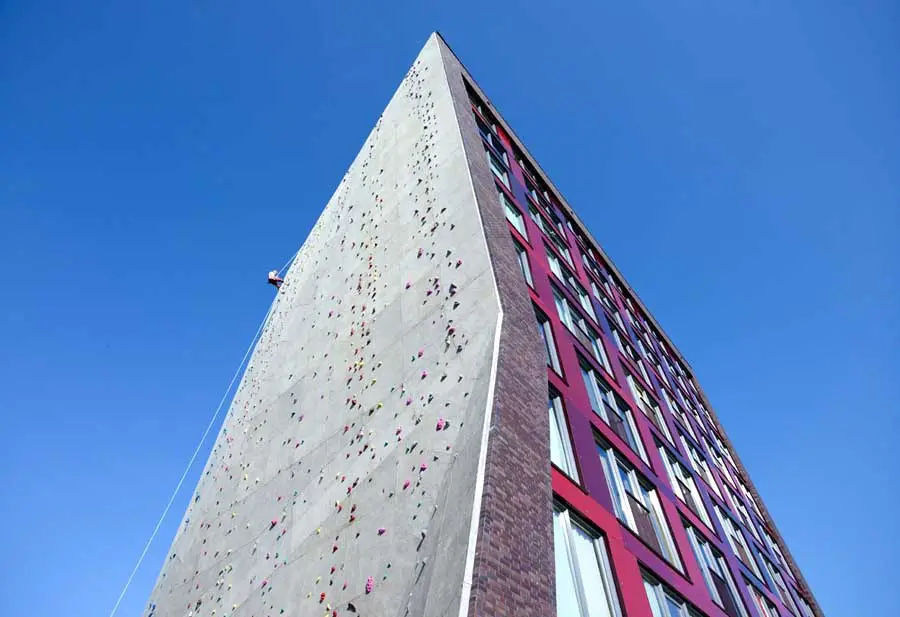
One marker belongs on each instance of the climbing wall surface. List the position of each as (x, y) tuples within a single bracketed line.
[(343, 479)]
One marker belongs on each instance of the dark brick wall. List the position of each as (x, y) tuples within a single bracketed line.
[(514, 571)]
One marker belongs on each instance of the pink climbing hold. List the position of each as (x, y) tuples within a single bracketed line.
[(441, 424), (424, 374), (458, 262), (274, 522), (381, 531), (370, 584), (264, 583), (409, 402), (421, 353), (423, 467), (408, 284), (406, 485)]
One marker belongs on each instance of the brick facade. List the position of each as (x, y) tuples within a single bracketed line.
[(513, 573)]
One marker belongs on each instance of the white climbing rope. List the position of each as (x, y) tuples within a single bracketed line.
[(197, 449)]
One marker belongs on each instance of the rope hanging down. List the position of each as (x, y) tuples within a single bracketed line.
[(193, 458)]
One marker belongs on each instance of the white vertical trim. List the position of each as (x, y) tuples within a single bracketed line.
[(469, 570)]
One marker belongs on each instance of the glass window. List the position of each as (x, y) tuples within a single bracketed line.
[(719, 462), (489, 134), (546, 331), (584, 584), (567, 597), (522, 256), (716, 574), (648, 406), (743, 513), (765, 608), (560, 444), (805, 607), (536, 217), (555, 266), (678, 412), (602, 297), (583, 298), (589, 338), (663, 601), (637, 504), (701, 467), (683, 486), (629, 352), (773, 546), (750, 497), (513, 215), (780, 586), (562, 307), (552, 234), (597, 348), (737, 541), (498, 168), (611, 409)]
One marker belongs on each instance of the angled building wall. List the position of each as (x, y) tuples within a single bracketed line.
[(345, 475)]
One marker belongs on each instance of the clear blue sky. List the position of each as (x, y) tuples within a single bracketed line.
[(158, 158)]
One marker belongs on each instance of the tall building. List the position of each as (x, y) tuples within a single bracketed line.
[(459, 407)]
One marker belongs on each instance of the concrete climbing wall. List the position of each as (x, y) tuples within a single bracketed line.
[(344, 477)]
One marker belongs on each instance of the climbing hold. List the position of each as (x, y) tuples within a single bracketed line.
[(381, 531), (370, 584)]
